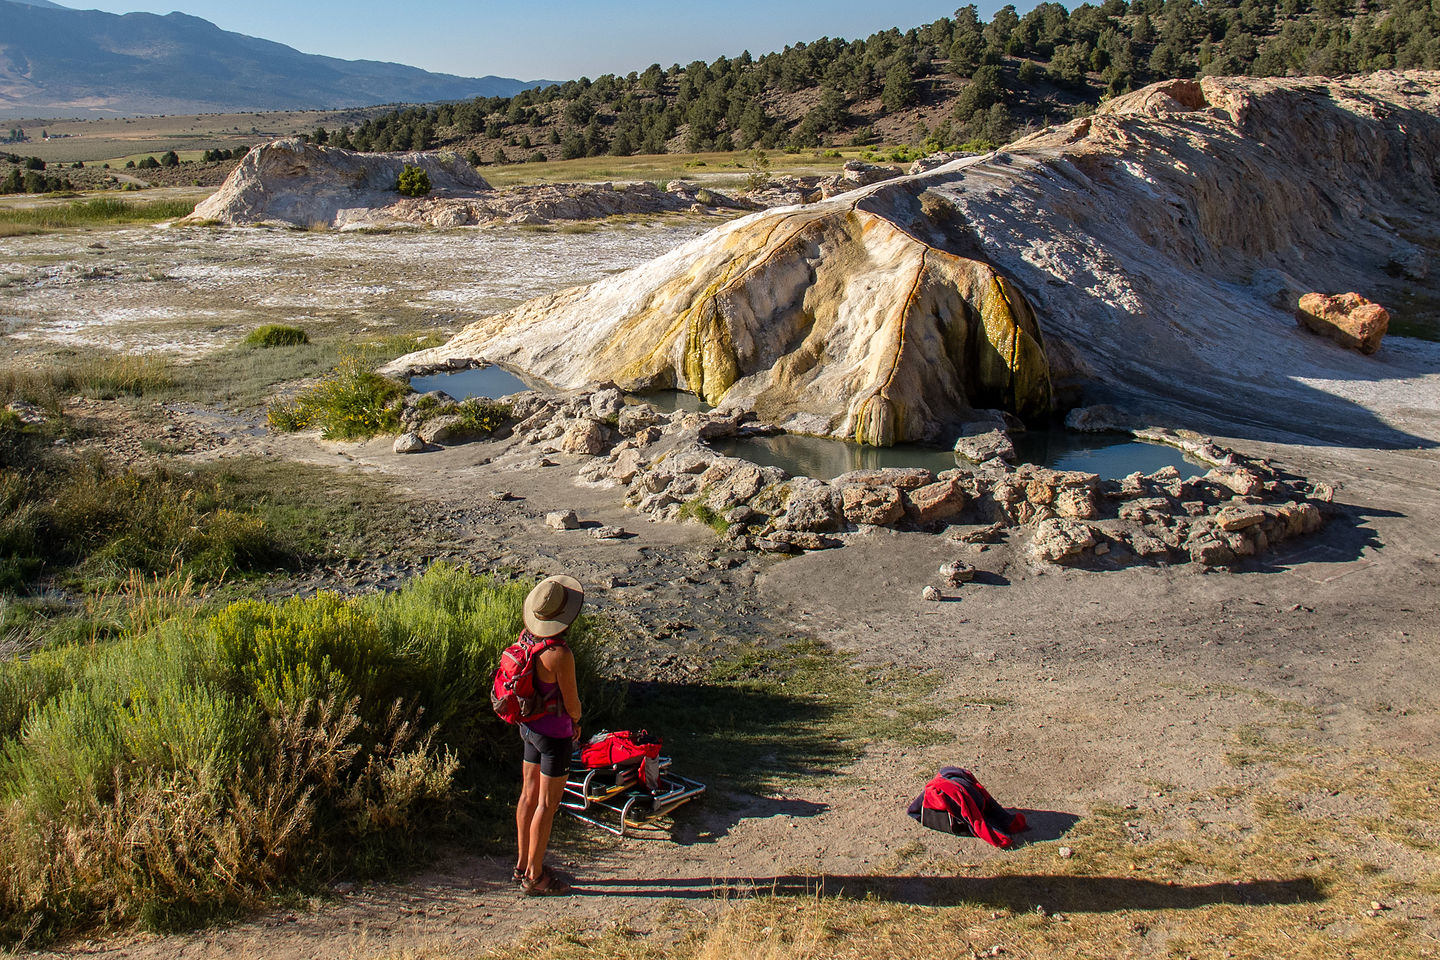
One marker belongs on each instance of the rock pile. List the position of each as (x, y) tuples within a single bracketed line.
[(670, 473)]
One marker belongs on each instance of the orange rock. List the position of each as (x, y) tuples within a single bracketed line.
[(1349, 319)]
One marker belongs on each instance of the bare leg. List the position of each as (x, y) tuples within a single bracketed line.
[(550, 791), (525, 812)]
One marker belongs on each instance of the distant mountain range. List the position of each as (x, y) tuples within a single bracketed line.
[(55, 61)]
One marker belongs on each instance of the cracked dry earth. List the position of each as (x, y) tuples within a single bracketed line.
[(1066, 690)]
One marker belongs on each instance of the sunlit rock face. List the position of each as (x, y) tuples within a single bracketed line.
[(1155, 250), (302, 184)]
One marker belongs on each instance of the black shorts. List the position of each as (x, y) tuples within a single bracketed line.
[(552, 753)]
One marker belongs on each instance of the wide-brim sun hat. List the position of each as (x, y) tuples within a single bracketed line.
[(553, 605)]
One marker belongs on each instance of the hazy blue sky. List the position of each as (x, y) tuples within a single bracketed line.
[(555, 40)]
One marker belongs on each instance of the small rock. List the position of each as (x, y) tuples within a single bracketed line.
[(987, 446), (930, 593), (1066, 853), (500, 495), (957, 572), (562, 520), (607, 533), (409, 443)]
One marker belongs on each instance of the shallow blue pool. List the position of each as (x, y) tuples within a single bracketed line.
[(492, 381)]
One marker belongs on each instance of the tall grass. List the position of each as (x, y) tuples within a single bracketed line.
[(105, 523), (198, 764), (100, 210), (103, 377)]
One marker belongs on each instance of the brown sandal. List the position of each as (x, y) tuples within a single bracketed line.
[(549, 885)]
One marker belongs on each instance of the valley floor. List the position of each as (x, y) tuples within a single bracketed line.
[(1215, 764)]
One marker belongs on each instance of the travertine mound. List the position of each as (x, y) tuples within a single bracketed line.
[(1152, 252), (303, 184)]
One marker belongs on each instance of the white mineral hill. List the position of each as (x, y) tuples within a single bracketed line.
[(302, 184), (1152, 253)]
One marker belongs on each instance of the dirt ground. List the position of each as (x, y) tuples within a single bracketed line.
[(1066, 690), (1164, 692)]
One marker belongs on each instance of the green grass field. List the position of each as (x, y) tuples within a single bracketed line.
[(715, 168)]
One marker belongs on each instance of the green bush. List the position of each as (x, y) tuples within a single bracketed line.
[(482, 416), (276, 335), (106, 523), (351, 402), (198, 764), (413, 182)]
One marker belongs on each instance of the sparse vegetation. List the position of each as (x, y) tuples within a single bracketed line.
[(351, 402), (276, 335)]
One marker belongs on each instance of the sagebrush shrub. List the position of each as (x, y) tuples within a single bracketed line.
[(200, 763)]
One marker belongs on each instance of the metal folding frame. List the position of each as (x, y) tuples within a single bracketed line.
[(618, 793)]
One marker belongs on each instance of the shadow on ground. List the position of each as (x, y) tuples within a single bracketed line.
[(1020, 893)]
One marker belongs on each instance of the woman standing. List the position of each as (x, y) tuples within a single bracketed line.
[(550, 739)]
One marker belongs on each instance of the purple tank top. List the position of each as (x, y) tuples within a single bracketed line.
[(552, 724)]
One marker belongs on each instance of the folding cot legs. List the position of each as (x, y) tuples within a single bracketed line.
[(616, 793)]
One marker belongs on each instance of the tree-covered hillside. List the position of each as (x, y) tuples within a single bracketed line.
[(954, 80)]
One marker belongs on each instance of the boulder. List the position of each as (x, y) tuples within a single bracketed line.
[(1059, 541), (409, 443), (813, 507), (562, 520), (585, 437), (605, 403), (1210, 550), (1348, 319), (447, 430), (804, 540), (878, 505), (301, 184), (1234, 517), (626, 465), (635, 417), (901, 478), (608, 533), (740, 486), (932, 160), (987, 446), (938, 502)]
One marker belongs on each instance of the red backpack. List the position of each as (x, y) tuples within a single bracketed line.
[(955, 802), (626, 748), (512, 690)]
